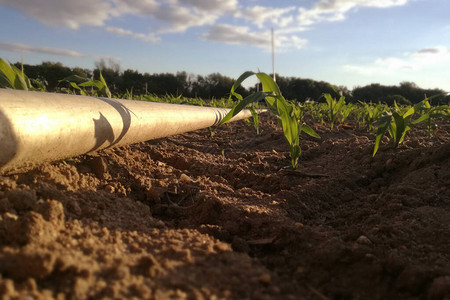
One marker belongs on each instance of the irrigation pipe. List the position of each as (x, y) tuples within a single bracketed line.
[(37, 127)]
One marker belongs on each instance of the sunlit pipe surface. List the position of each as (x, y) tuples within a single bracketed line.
[(40, 127)]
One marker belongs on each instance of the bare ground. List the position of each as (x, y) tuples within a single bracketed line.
[(202, 216)]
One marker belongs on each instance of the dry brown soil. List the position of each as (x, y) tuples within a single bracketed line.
[(202, 216)]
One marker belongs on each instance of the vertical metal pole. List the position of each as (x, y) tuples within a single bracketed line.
[(273, 57)]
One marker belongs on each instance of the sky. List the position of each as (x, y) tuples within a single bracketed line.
[(345, 42)]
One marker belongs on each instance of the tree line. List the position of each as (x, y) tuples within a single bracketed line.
[(216, 85)]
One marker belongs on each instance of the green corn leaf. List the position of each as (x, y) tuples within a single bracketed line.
[(255, 119), (75, 78), (4, 82), (308, 130), (402, 137), (238, 82), (8, 76), (92, 83), (329, 100), (28, 82), (422, 118), (268, 84), (409, 112), (75, 86), (396, 106), (295, 153), (290, 127), (106, 90), (381, 131), (20, 80), (392, 129), (400, 127), (258, 96), (85, 82), (254, 113), (340, 104)]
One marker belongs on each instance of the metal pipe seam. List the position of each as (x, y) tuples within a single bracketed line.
[(37, 127)]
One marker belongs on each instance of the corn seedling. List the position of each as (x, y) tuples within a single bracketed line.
[(299, 113), (315, 110), (334, 108), (371, 114), (128, 95), (345, 112), (277, 105), (14, 78), (79, 83), (429, 113), (397, 123), (255, 119)]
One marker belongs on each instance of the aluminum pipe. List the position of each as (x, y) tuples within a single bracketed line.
[(38, 127)]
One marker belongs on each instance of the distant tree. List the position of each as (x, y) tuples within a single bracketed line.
[(405, 93), (132, 80), (300, 89), (217, 85), (53, 73), (373, 92), (164, 83), (82, 72), (183, 83)]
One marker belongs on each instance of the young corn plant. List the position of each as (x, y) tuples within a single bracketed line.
[(334, 108), (298, 112), (80, 83), (255, 119), (277, 105), (371, 114), (345, 113), (14, 78), (430, 113), (397, 123), (315, 110)]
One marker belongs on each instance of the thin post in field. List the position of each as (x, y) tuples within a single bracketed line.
[(273, 55)]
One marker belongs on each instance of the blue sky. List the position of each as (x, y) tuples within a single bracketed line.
[(344, 42)]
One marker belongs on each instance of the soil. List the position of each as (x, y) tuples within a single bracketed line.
[(220, 215)]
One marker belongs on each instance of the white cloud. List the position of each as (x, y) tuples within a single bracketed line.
[(141, 7), (430, 56), (216, 6), (67, 13), (124, 32), (177, 16), (335, 10), (15, 47), (422, 59), (284, 42), (260, 15), (173, 15), (236, 35), (242, 35)]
